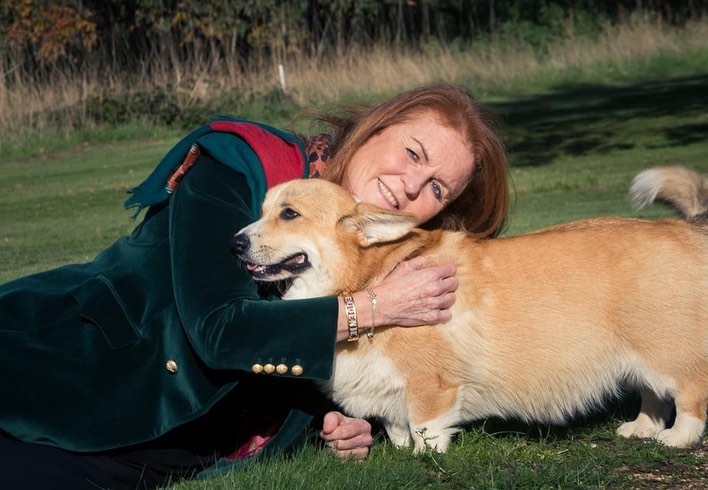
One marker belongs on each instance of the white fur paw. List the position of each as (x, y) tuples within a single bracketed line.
[(427, 439), (678, 438), (399, 436), (639, 428), (686, 432)]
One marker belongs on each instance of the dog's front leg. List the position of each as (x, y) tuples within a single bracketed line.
[(399, 434), (435, 413), (435, 435)]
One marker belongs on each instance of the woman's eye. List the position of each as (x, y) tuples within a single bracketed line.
[(437, 190), (288, 214), (412, 154)]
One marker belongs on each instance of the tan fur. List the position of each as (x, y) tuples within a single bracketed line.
[(545, 325), (683, 188)]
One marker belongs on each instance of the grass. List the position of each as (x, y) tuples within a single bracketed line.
[(576, 142), (524, 457), (68, 206), (575, 151)]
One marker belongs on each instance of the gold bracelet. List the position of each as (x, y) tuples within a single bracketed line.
[(352, 321), (371, 294)]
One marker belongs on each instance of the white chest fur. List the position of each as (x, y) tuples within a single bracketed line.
[(367, 384)]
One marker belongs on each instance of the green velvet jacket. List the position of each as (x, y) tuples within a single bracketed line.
[(158, 328)]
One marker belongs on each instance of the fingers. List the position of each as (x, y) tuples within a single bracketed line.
[(346, 437), (444, 285), (359, 453), (447, 300), (417, 263), (330, 422), (417, 292), (422, 262), (339, 427), (432, 279), (439, 292)]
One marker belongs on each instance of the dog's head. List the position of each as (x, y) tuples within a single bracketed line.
[(315, 231)]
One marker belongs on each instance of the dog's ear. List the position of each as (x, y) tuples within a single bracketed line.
[(375, 225)]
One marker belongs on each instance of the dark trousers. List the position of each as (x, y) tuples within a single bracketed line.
[(26, 466)]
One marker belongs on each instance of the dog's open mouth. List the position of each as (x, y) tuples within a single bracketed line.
[(265, 272)]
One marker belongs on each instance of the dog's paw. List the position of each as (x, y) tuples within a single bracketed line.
[(423, 447), (426, 439), (686, 432), (639, 428), (399, 436), (674, 438), (678, 437)]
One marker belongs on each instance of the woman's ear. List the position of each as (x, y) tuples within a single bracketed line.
[(374, 225)]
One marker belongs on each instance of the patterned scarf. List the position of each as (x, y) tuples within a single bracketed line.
[(317, 150)]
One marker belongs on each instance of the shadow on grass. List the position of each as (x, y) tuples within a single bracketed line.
[(613, 412), (586, 119)]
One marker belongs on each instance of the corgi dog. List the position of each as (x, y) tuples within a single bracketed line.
[(545, 326)]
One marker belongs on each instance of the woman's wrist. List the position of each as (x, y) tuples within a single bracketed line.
[(361, 304)]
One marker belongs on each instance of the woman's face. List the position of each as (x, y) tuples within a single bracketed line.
[(418, 166)]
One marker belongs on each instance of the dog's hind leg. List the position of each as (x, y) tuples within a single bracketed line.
[(653, 416), (687, 431)]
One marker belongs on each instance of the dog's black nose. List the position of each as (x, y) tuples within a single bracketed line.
[(240, 243)]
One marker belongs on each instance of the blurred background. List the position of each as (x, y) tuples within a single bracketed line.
[(69, 65)]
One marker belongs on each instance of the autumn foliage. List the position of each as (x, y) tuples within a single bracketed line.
[(45, 33), (48, 32)]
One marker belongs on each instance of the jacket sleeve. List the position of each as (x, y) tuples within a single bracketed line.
[(228, 324)]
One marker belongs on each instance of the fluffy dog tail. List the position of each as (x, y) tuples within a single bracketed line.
[(684, 189)]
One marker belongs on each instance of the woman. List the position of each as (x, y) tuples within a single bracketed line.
[(161, 358)]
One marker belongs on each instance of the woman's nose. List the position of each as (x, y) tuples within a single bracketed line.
[(412, 185)]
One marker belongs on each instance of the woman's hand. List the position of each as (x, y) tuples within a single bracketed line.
[(345, 436), (417, 292)]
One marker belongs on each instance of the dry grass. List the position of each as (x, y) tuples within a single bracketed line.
[(493, 64), (491, 67)]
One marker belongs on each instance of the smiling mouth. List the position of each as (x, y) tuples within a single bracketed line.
[(274, 272), (387, 194)]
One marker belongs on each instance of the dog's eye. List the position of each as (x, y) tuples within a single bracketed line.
[(288, 214)]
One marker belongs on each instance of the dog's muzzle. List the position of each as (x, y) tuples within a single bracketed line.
[(240, 246)]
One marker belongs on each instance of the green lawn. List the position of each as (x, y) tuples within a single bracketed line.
[(574, 152)]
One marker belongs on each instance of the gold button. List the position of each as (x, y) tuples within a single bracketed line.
[(281, 369), (172, 366), (269, 369), (296, 370), (257, 368)]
